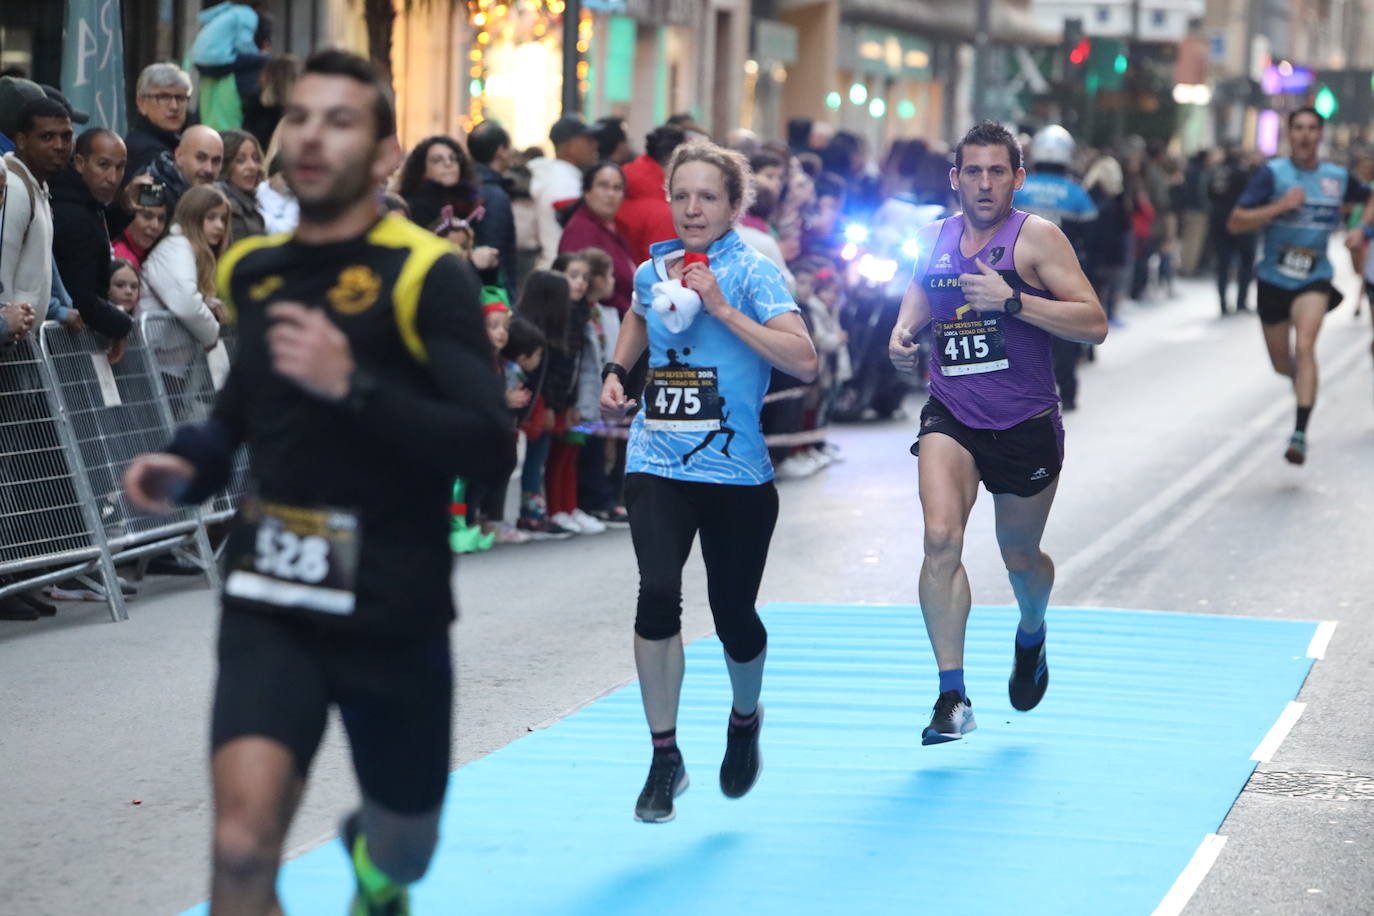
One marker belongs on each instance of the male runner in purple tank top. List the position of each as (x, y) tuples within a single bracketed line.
[(997, 286)]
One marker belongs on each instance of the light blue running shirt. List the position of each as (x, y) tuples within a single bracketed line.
[(1295, 243), (699, 420)]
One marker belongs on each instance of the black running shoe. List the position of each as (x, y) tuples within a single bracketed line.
[(1296, 453), (953, 718), (740, 768), (393, 900), (667, 780), (1030, 675)]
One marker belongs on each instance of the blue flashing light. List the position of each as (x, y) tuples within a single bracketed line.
[(856, 233)]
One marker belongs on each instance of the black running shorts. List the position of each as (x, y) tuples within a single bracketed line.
[(1275, 304), (1022, 460), (278, 676)]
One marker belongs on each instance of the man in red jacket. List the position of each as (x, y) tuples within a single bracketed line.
[(644, 218)]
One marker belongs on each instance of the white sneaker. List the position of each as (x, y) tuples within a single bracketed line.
[(567, 521), (831, 451), (589, 524), (820, 459), (795, 467)]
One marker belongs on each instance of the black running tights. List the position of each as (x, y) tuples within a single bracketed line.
[(736, 525)]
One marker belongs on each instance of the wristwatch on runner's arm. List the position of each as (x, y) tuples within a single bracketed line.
[(1012, 305), (362, 385), (619, 371)]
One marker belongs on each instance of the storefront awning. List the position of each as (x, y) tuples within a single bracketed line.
[(1010, 23)]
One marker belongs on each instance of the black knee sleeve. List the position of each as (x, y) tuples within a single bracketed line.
[(659, 613), (742, 635), (402, 847)]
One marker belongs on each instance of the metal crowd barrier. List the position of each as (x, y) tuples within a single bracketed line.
[(190, 378), (70, 424), (49, 530)]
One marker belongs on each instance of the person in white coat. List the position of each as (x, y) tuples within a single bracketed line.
[(179, 277), (556, 183)]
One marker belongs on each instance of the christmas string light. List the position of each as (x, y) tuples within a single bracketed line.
[(507, 21)]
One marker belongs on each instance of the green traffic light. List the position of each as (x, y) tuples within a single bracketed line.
[(1325, 103), (1119, 65)]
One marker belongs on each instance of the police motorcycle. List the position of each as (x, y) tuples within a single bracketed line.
[(879, 257)]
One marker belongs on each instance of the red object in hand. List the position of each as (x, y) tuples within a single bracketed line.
[(690, 258)]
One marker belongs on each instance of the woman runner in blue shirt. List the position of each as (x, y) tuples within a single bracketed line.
[(696, 461)]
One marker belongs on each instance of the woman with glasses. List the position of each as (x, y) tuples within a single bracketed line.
[(439, 173)]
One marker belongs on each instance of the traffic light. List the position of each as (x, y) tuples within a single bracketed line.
[(1080, 53)]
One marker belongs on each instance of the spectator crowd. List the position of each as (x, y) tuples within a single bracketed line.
[(98, 229)]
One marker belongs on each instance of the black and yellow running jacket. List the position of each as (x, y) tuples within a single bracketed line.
[(426, 406)]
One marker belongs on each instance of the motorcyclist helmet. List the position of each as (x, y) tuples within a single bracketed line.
[(1052, 145)]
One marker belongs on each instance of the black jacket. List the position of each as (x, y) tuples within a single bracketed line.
[(145, 141), (81, 248), (497, 225), (429, 199)]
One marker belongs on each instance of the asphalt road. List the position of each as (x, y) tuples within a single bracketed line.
[(1174, 497)]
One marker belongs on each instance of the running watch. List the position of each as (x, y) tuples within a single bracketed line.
[(1012, 306), (614, 369), (362, 385)]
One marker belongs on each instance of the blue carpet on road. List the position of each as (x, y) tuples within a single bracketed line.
[(1092, 803)]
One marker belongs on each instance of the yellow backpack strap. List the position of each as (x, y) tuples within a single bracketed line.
[(225, 269), (424, 249)]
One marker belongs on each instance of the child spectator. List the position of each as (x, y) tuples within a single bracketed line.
[(125, 285), (179, 277), (600, 465), (280, 209), (228, 54), (486, 499), (562, 386), (149, 222), (459, 232), (545, 303)]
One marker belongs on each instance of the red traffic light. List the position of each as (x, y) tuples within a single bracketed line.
[(1080, 52)]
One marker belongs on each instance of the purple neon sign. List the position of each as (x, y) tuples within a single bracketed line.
[(1284, 78)]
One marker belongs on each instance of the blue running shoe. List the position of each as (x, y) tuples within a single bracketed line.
[(1030, 676)]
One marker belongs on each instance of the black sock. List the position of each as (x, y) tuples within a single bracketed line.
[(665, 742), (1304, 414)]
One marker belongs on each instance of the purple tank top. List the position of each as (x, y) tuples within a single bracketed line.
[(991, 370)]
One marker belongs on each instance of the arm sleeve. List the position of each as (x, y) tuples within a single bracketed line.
[(463, 430), (1259, 190)]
